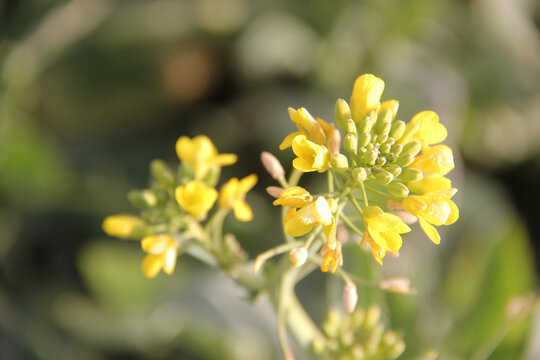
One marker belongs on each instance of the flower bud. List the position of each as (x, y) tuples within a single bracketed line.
[(405, 160), (398, 285), (367, 123), (143, 198), (273, 166), (408, 175), (350, 297), (385, 148), (397, 189), (397, 129), (382, 126), (359, 174), (382, 138), (342, 112), (298, 256), (383, 177), (162, 173), (394, 169), (350, 127), (123, 226), (412, 147), (274, 191), (371, 156), (351, 143), (396, 350), (397, 149), (381, 160), (339, 161), (334, 142), (364, 139)]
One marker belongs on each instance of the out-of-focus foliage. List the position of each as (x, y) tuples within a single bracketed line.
[(92, 90)]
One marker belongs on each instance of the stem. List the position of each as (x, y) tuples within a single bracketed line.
[(280, 249), (350, 224), (355, 203), (383, 194), (364, 194), (217, 228), (330, 178), (295, 177)]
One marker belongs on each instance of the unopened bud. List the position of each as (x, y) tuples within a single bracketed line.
[(162, 173), (412, 147), (350, 297), (383, 177), (359, 174), (350, 143), (364, 139), (373, 314), (411, 175), (405, 160), (385, 148), (381, 160), (399, 285), (396, 350), (382, 126), (298, 256), (350, 127), (123, 226), (397, 149), (335, 141), (143, 198), (273, 166), (274, 191), (339, 161), (406, 217), (342, 112), (398, 189), (371, 156), (397, 129), (366, 124), (382, 138), (394, 169)]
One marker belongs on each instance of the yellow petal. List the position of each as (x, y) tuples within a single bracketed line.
[(437, 159), (367, 92), (196, 198), (151, 265), (122, 226), (330, 233), (169, 260), (454, 213), (225, 159), (294, 196), (430, 231), (287, 142), (228, 192), (296, 227), (156, 244), (242, 211), (247, 184), (413, 204), (429, 184)]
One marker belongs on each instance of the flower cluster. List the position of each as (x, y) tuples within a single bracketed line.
[(174, 206), (389, 170)]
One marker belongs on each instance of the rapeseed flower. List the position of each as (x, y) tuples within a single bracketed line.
[(196, 198), (332, 258), (425, 128), (437, 159), (367, 92), (232, 196), (201, 155), (294, 196), (310, 156), (162, 252)]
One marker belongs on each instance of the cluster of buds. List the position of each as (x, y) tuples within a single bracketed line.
[(358, 336), (176, 204)]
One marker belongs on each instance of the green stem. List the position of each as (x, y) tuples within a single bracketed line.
[(350, 224), (355, 204), (295, 177), (217, 229), (383, 194), (330, 177), (364, 193)]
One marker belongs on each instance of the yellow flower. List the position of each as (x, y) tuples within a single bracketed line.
[(434, 208), (332, 258), (425, 128), (162, 252), (437, 159), (122, 226), (430, 183), (367, 92), (196, 198), (307, 126), (384, 231), (232, 196), (201, 154), (294, 196), (311, 157)]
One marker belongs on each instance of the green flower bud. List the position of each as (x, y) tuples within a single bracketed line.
[(405, 160), (382, 126), (162, 173), (374, 339), (412, 147), (350, 144), (397, 149), (391, 157), (390, 141), (366, 124), (394, 169), (411, 175), (339, 161), (143, 198), (383, 177), (381, 160), (371, 156), (385, 148), (359, 174), (364, 139), (342, 112), (373, 314), (395, 351), (397, 129), (382, 138), (350, 127), (398, 189)]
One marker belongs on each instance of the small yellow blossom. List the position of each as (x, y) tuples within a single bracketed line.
[(196, 198), (201, 154), (121, 226), (307, 126), (332, 259), (425, 128), (434, 208), (384, 231), (162, 252), (233, 194), (310, 156), (294, 196), (430, 183), (367, 92), (318, 212), (437, 159)]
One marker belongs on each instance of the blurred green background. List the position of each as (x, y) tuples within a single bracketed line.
[(92, 90)]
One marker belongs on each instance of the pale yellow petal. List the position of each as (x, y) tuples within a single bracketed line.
[(287, 142), (242, 211), (430, 231), (454, 213), (169, 260), (247, 184), (151, 265)]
